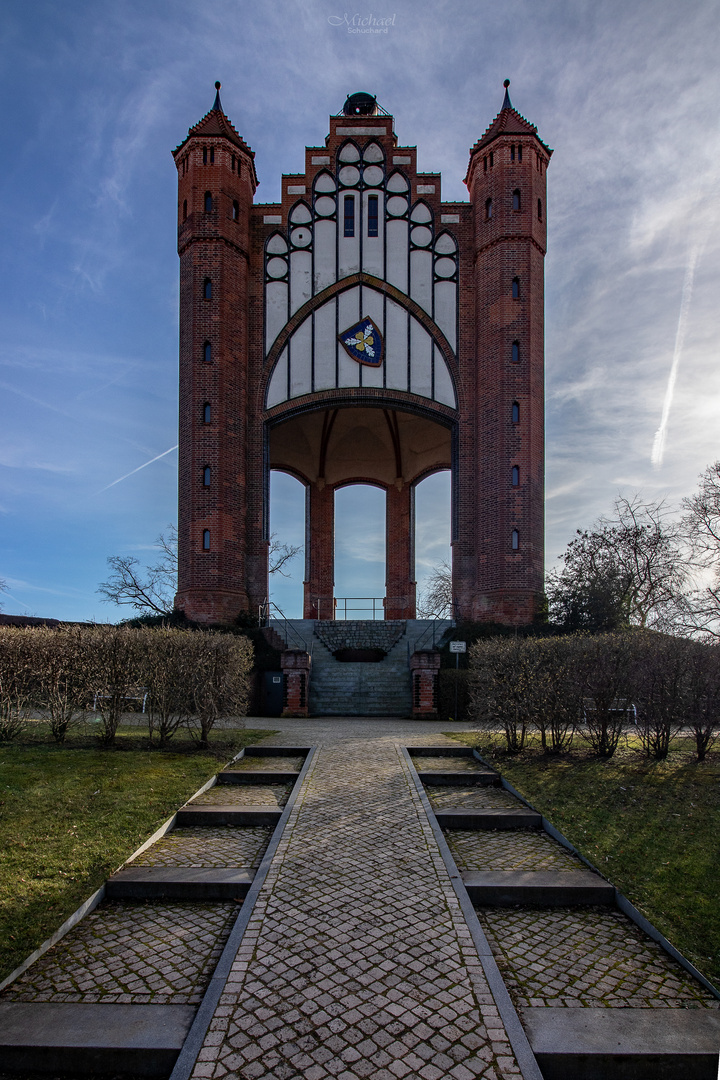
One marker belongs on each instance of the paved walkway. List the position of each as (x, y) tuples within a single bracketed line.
[(357, 961)]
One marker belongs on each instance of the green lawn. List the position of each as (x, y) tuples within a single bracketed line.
[(652, 827), (69, 816)]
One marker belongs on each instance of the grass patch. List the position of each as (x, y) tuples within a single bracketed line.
[(70, 815), (652, 827)]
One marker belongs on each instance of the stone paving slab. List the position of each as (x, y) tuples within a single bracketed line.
[(207, 846), (267, 761), (150, 953), (625, 1044), (180, 883), (522, 850), (551, 888), (48, 1037), (471, 797), (357, 961), (251, 795), (586, 958)]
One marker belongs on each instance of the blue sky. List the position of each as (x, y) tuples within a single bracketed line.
[(96, 94)]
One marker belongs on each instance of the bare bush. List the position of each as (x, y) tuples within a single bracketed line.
[(505, 675), (63, 667), (220, 666), (662, 689), (17, 680), (605, 675), (115, 674), (559, 692), (167, 676)]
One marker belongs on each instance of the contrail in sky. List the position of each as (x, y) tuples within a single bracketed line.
[(144, 466), (658, 449)]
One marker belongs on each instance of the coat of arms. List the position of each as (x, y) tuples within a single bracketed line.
[(363, 342)]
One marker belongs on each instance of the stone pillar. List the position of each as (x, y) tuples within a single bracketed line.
[(424, 667), (400, 552), (295, 666), (319, 551)]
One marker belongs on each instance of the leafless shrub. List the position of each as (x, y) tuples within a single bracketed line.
[(116, 673), (505, 675), (704, 696), (167, 676), (17, 680), (559, 692), (662, 689), (604, 676), (220, 666), (63, 665)]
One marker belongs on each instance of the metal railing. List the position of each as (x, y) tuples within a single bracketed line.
[(269, 612), (428, 639)]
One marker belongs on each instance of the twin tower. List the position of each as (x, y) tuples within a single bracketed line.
[(362, 330)]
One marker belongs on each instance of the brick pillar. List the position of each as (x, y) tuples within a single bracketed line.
[(424, 667), (295, 666), (400, 552), (319, 551)]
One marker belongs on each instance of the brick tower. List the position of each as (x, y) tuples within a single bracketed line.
[(361, 330)]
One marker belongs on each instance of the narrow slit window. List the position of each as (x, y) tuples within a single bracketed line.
[(512, 151), (485, 163), (208, 202), (516, 288), (206, 539), (516, 352), (207, 289), (204, 155), (207, 352), (492, 158), (488, 209), (515, 540), (539, 209), (349, 216), (212, 155), (372, 215), (207, 476), (232, 167), (207, 413), (516, 199), (519, 151), (184, 209), (235, 210), (515, 476), (516, 412)]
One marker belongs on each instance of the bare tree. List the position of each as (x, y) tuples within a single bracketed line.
[(3, 588), (435, 601), (150, 590), (700, 613), (627, 570)]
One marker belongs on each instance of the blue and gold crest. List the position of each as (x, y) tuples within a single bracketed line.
[(363, 342)]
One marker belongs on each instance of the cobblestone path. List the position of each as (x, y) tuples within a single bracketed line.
[(357, 961)]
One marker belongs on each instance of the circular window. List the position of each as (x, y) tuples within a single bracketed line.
[(277, 268)]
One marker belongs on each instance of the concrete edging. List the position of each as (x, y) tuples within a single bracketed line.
[(516, 1033), (621, 900), (196, 1036), (99, 895)]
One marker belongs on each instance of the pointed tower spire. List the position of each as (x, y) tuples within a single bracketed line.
[(217, 107), (507, 103)]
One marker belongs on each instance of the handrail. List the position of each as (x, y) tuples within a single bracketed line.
[(421, 642), (266, 616)]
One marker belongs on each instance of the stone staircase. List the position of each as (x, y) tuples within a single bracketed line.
[(360, 689)]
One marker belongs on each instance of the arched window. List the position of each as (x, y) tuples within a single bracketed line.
[(516, 288), (519, 151), (206, 539), (515, 540), (207, 413), (206, 476), (207, 352), (515, 352), (236, 210), (516, 199), (207, 289), (208, 202), (184, 209), (212, 155), (515, 412), (515, 476), (539, 209), (372, 215), (349, 216), (488, 209)]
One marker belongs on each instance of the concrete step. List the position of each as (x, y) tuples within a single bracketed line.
[(48, 1037), (180, 883), (461, 778), (276, 751), (551, 888), (625, 1044), (228, 814), (257, 777), (441, 751), (465, 817)]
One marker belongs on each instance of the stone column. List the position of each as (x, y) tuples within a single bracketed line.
[(400, 551), (319, 551), (424, 667), (295, 666)]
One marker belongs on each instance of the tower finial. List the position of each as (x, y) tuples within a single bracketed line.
[(217, 107), (507, 103)]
